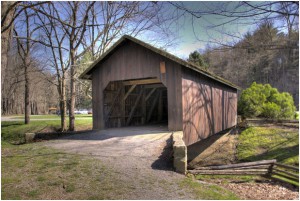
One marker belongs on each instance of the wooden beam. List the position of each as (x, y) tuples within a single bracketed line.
[(150, 86), (287, 166), (239, 168), (144, 108), (286, 176), (129, 91), (144, 81), (134, 107), (286, 172), (247, 164), (113, 104), (152, 107), (123, 107), (160, 106), (150, 93), (230, 172)]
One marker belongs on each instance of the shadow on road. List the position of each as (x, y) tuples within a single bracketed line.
[(165, 160)]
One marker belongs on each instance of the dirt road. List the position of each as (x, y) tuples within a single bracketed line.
[(140, 155)]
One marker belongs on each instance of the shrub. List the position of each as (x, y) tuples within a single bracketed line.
[(250, 103), (265, 101), (271, 110)]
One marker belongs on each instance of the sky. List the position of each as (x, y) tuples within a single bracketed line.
[(187, 33), (193, 33)]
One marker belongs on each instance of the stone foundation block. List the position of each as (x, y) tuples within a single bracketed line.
[(179, 153)]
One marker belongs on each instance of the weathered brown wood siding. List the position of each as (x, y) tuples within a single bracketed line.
[(208, 106), (132, 61)]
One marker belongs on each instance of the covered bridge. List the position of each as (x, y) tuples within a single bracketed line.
[(134, 83)]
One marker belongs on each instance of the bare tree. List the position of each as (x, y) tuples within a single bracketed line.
[(75, 29), (71, 30), (7, 14), (54, 39), (24, 51)]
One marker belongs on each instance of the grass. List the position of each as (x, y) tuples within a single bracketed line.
[(32, 171), (259, 143), (263, 143), (241, 178), (51, 116), (208, 192), (14, 131)]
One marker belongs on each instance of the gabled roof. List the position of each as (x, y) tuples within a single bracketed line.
[(87, 73)]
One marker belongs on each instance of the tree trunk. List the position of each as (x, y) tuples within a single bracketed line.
[(72, 91), (27, 92), (5, 36), (26, 73), (63, 105)]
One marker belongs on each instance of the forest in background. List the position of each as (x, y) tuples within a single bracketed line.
[(264, 56)]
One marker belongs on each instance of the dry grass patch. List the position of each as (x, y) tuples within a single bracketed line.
[(35, 172)]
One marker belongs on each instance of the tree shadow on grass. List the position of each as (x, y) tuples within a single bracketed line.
[(280, 154), (4, 125)]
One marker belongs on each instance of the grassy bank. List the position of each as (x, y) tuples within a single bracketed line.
[(263, 142), (14, 131), (259, 143)]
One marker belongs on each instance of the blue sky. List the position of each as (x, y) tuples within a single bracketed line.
[(194, 33)]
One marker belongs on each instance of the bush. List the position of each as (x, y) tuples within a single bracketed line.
[(265, 101), (271, 110)]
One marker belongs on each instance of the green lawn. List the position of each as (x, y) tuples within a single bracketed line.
[(259, 143), (32, 171), (263, 143), (208, 192), (51, 116), (14, 131)]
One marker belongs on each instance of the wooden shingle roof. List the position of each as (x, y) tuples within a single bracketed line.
[(87, 73)]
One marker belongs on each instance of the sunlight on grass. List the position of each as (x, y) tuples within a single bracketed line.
[(208, 192), (14, 131), (52, 116), (32, 171), (259, 143), (242, 178)]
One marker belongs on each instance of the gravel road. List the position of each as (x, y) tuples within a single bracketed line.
[(140, 155)]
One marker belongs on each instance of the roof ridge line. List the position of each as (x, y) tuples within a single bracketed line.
[(166, 54)]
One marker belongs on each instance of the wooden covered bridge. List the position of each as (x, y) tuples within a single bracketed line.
[(134, 83)]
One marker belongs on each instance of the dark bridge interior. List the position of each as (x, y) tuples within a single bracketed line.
[(135, 102)]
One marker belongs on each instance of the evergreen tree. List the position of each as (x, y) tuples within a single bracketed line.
[(196, 58)]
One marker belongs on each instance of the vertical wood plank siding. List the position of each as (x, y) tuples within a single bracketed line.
[(198, 105), (208, 106), (132, 61)]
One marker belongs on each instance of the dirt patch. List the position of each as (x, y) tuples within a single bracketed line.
[(285, 124), (261, 190), (218, 149)]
